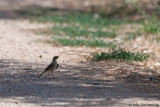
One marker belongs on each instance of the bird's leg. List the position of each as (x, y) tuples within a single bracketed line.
[(52, 75), (48, 73)]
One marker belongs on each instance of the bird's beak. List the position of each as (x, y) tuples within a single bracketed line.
[(57, 57)]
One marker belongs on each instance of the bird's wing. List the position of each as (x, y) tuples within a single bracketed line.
[(57, 66), (50, 66)]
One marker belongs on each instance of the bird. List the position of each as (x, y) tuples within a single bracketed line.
[(52, 66)]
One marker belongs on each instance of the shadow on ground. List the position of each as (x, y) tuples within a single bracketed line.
[(27, 12), (35, 11), (85, 84), (16, 10)]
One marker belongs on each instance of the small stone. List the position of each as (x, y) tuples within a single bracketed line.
[(157, 64), (95, 83), (16, 102), (40, 56)]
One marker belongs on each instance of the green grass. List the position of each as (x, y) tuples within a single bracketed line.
[(121, 54), (75, 24), (81, 42), (153, 25), (70, 17), (84, 19), (60, 16), (133, 35), (80, 31)]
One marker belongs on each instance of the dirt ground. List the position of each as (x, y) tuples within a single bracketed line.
[(75, 83)]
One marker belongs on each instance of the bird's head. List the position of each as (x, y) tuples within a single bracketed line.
[(55, 58)]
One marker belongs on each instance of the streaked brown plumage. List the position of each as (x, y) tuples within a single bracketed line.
[(52, 66)]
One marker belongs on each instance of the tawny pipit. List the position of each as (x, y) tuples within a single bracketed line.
[(52, 66)]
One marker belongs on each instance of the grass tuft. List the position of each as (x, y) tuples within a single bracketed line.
[(120, 54)]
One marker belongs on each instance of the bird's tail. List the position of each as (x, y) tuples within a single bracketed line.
[(41, 74)]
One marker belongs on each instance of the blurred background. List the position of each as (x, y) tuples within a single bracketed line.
[(105, 7), (132, 24)]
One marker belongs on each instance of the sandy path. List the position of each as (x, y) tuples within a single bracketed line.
[(74, 84)]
